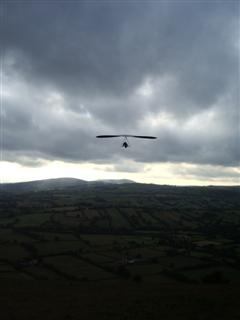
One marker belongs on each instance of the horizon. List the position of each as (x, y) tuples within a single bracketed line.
[(117, 180)]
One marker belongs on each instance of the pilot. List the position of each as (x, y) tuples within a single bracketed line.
[(125, 145)]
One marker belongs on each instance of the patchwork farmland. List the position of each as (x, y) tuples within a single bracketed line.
[(130, 236)]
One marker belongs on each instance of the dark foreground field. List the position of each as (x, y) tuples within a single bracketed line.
[(127, 251), (118, 299)]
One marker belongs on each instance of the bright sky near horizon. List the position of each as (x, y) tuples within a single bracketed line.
[(73, 70)]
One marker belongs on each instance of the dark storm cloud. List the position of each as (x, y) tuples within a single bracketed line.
[(78, 69), (111, 47)]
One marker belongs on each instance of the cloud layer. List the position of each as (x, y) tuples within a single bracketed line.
[(73, 70)]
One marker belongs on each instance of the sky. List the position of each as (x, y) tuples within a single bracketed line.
[(71, 70)]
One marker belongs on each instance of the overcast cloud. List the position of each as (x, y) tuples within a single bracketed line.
[(73, 70)]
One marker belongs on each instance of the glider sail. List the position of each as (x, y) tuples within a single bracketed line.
[(125, 143), (125, 136)]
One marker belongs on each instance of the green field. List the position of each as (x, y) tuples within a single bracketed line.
[(147, 250)]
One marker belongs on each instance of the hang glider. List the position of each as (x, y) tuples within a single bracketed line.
[(125, 143)]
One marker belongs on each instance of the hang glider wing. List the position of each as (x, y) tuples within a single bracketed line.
[(108, 136), (144, 137), (126, 135)]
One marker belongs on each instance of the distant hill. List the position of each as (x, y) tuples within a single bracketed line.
[(59, 183), (47, 184), (111, 181)]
